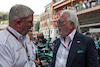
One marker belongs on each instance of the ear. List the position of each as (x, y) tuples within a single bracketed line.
[(18, 21), (72, 25)]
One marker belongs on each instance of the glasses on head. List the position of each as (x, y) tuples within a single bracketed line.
[(60, 22)]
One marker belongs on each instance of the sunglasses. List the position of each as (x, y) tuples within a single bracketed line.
[(60, 22)]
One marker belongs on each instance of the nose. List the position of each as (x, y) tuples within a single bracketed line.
[(31, 25)]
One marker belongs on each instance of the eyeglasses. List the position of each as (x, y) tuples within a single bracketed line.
[(60, 22)]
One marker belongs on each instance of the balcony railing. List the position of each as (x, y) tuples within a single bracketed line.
[(55, 2), (76, 8)]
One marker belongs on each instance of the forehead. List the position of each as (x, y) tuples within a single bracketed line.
[(30, 17), (63, 17)]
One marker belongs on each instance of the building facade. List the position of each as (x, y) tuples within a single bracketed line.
[(36, 20), (46, 25), (88, 12)]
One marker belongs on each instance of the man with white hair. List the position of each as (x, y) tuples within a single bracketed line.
[(72, 49), (13, 51)]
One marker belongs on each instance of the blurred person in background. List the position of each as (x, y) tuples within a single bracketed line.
[(32, 50), (77, 7), (89, 34), (90, 3), (48, 44), (97, 36), (86, 4), (95, 41), (82, 5), (54, 41)]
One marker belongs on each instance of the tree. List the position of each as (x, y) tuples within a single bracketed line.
[(37, 26), (4, 17), (0, 19)]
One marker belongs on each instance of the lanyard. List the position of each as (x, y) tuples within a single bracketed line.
[(65, 46), (18, 40)]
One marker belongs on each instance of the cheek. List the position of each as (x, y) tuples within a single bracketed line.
[(64, 28), (27, 26)]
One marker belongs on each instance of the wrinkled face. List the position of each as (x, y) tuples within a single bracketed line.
[(26, 24), (30, 34), (63, 26)]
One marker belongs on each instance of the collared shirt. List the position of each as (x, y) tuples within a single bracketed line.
[(18, 35), (12, 53), (63, 51)]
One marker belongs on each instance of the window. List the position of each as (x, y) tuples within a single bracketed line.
[(45, 24), (51, 32), (51, 23), (45, 32), (48, 15), (47, 9), (57, 31), (43, 17)]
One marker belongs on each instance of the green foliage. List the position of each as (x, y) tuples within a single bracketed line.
[(0, 18), (4, 17), (37, 26)]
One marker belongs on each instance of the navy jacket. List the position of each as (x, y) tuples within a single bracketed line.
[(82, 52)]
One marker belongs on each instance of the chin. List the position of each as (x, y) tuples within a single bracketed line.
[(59, 30), (25, 33), (60, 33)]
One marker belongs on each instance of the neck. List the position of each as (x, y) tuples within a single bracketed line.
[(64, 39), (67, 35), (15, 28), (70, 32)]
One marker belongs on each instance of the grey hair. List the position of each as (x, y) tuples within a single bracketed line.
[(72, 18), (19, 11)]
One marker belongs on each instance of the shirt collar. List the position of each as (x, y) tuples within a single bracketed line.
[(71, 35), (18, 35)]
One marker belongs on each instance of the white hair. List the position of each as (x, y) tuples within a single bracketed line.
[(72, 17), (19, 11)]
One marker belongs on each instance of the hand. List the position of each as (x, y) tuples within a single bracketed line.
[(37, 62)]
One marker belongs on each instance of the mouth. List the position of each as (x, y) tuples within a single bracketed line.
[(30, 28), (59, 29)]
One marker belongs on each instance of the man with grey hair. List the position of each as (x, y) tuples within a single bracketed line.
[(13, 50), (72, 49)]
